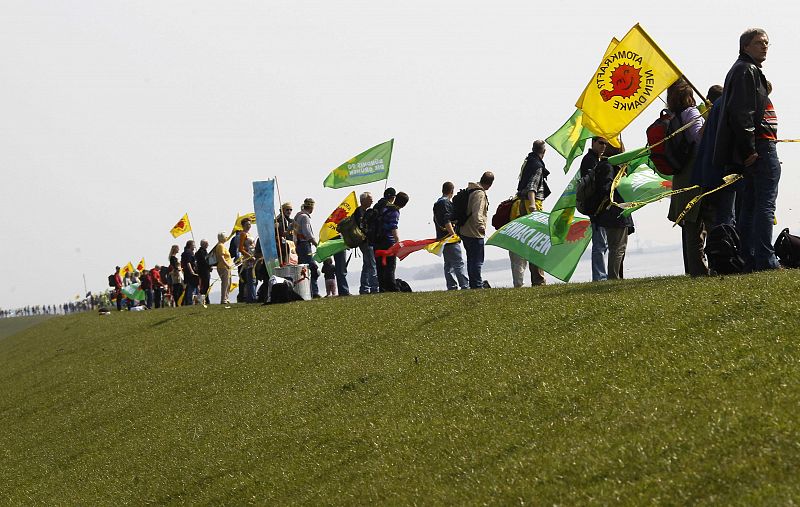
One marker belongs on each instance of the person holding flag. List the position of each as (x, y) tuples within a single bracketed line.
[(532, 190)]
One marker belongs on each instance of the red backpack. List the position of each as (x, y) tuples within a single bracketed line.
[(503, 214), (671, 156)]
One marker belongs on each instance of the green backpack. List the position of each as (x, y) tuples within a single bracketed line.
[(351, 233)]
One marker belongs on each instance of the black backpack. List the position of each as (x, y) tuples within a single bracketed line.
[(787, 249), (112, 280), (351, 232), (373, 225), (461, 207), (723, 250), (672, 156), (402, 285), (233, 246), (590, 197)]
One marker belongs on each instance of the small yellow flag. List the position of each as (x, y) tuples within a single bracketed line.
[(344, 210), (127, 268), (182, 227), (631, 76), (141, 265)]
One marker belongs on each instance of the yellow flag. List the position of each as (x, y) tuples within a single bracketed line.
[(631, 76), (141, 265), (238, 225), (182, 227), (233, 286), (344, 210), (127, 268)]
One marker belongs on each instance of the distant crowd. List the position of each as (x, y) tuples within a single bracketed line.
[(89, 303)]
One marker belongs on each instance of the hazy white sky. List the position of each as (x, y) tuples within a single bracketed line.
[(118, 117)]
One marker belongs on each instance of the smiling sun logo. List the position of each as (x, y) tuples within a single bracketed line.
[(625, 81)]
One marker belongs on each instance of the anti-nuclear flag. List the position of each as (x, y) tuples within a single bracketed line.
[(563, 212), (344, 210), (141, 265), (529, 237), (631, 76), (372, 165), (182, 227), (264, 206), (237, 226), (127, 268)]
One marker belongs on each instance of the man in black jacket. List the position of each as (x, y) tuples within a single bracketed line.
[(599, 238), (745, 144)]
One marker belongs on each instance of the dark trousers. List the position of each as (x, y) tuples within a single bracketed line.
[(386, 278)]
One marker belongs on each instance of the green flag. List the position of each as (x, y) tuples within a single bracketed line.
[(372, 165), (570, 139), (329, 248), (563, 212), (529, 237), (641, 187), (133, 292)]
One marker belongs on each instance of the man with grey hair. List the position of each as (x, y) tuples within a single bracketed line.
[(369, 273), (745, 144), (305, 240)]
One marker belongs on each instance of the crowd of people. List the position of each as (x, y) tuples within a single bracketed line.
[(736, 133), (89, 303)]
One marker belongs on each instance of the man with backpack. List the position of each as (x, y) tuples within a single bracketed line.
[(369, 273), (473, 228), (599, 236), (745, 144), (454, 275), (389, 220)]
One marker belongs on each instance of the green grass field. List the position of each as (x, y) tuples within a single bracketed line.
[(649, 391), (9, 327)]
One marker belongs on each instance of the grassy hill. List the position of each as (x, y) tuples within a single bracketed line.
[(668, 390)]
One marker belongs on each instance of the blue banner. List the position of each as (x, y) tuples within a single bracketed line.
[(264, 206)]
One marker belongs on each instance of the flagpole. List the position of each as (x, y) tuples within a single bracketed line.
[(705, 100), (85, 290), (279, 242)]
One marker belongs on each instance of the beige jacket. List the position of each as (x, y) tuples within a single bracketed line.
[(477, 209)]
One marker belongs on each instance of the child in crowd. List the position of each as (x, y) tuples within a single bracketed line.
[(329, 271)]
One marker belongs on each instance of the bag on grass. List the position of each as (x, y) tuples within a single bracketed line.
[(787, 249), (723, 250)]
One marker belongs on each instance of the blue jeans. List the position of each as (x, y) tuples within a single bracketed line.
[(304, 256), (340, 262), (758, 208), (474, 248), (454, 274), (188, 295), (369, 272), (248, 284), (722, 202), (599, 252)]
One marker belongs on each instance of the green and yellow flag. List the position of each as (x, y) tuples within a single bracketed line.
[(631, 76), (570, 140), (367, 167)]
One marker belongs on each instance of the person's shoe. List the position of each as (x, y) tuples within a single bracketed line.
[(316, 296)]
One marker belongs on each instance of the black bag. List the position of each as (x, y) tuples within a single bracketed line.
[(233, 247), (282, 293), (590, 197), (402, 285), (461, 207), (787, 249), (723, 250), (373, 225), (112, 280)]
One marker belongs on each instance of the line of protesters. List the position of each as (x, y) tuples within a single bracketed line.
[(738, 136)]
